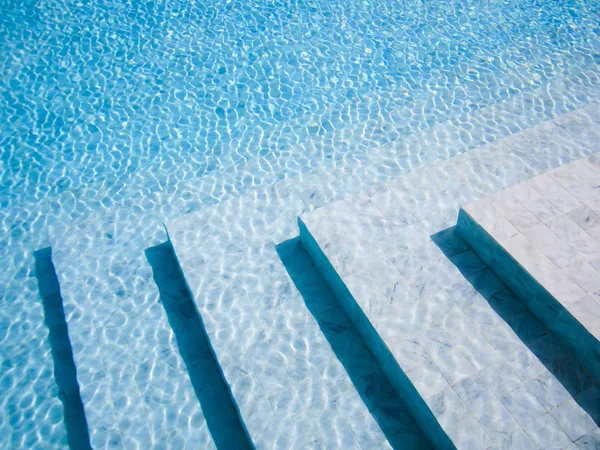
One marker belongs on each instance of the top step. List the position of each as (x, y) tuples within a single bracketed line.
[(542, 238)]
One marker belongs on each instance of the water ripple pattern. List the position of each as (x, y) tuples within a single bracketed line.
[(121, 114), (109, 94)]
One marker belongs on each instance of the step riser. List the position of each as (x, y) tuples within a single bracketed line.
[(417, 406)]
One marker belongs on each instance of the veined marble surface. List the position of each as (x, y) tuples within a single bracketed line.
[(248, 301), (103, 271), (492, 373), (551, 226), (542, 238)]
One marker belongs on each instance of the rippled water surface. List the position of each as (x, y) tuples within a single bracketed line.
[(146, 110), (117, 97)]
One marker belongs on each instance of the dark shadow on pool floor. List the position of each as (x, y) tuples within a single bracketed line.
[(553, 353), (65, 373), (221, 413), (377, 393)]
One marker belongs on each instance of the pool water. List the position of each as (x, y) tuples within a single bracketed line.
[(147, 110), (111, 99)]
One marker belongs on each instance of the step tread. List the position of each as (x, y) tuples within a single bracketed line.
[(441, 330)]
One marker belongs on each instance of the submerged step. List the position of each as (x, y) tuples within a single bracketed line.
[(134, 385), (542, 238), (291, 387), (65, 373), (477, 369), (393, 343), (221, 413), (365, 377)]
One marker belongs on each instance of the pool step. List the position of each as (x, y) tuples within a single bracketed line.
[(281, 369), (65, 373), (264, 337), (220, 411), (100, 263), (365, 381), (476, 367), (542, 238), (135, 387)]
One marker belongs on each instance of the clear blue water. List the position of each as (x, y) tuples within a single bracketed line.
[(118, 99), (143, 111)]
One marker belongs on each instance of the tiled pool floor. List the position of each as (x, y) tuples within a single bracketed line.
[(100, 262)]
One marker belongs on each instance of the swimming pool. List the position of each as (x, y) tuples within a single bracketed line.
[(144, 112)]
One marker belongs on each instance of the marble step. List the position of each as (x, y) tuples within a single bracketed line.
[(134, 385), (365, 381), (218, 407), (65, 373), (542, 238), (475, 366), (291, 389), (99, 256)]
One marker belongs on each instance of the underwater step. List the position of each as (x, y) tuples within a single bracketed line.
[(221, 413), (389, 343), (360, 378), (474, 366), (65, 372), (134, 384), (542, 238), (477, 369)]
